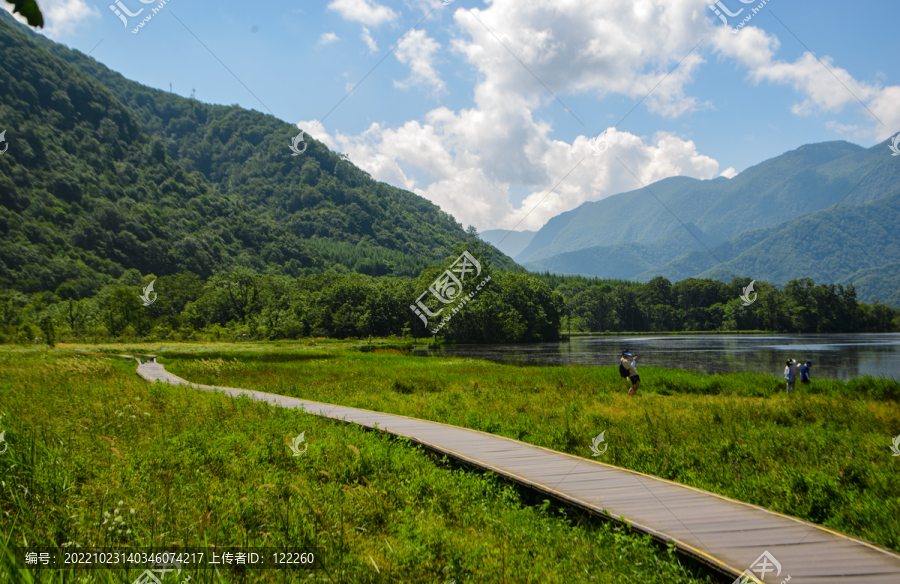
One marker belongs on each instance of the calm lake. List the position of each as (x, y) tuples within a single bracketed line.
[(833, 356)]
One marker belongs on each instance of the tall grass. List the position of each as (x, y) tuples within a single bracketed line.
[(821, 454), (89, 442)]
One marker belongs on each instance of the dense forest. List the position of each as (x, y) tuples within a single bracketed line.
[(700, 304), (512, 307)]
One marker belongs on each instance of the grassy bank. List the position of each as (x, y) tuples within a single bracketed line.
[(821, 455), (96, 456)]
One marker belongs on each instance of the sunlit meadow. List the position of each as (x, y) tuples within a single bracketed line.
[(98, 457)]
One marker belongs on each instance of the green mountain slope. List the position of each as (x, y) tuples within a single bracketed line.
[(99, 178), (809, 178), (846, 244), (881, 283)]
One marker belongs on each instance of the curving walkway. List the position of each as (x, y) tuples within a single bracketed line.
[(727, 534)]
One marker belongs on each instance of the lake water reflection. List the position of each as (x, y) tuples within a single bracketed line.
[(833, 356)]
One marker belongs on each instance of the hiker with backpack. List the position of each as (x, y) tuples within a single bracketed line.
[(628, 370)]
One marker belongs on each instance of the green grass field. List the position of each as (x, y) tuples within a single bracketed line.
[(822, 455), (98, 457)]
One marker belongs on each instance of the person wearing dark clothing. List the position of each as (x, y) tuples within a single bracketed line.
[(804, 372), (628, 362)]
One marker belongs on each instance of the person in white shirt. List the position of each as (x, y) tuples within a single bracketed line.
[(790, 375)]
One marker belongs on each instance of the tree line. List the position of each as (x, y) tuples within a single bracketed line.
[(514, 307), (698, 304)]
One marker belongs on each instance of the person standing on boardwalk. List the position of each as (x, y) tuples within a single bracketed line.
[(804, 372), (790, 375), (628, 363)]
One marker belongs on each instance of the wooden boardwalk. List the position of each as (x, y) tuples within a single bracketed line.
[(727, 534)]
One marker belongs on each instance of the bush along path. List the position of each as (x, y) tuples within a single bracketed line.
[(737, 538)]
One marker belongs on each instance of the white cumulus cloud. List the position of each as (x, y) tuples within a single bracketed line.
[(470, 170), (583, 46), (729, 172), (417, 51), (364, 11), (326, 38), (367, 38), (475, 162), (825, 87)]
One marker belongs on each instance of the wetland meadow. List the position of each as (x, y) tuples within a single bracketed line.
[(103, 458)]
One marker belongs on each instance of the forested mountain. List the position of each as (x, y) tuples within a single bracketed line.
[(881, 283), (108, 187), (103, 174), (831, 245), (810, 178), (846, 244), (789, 195)]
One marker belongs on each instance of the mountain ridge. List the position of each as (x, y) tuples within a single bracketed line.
[(818, 242), (93, 185), (810, 177)]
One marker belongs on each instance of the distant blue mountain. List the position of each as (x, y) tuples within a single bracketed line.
[(845, 244), (799, 182), (509, 242), (745, 226)]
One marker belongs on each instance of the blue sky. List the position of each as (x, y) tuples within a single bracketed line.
[(457, 117)]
